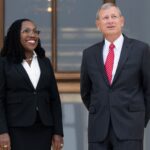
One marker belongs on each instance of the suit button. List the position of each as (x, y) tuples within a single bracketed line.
[(111, 90), (34, 93), (37, 108), (92, 110)]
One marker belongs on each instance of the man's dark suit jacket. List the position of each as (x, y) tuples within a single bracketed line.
[(19, 99), (126, 103)]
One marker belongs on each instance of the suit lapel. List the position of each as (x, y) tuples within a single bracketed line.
[(24, 74), (99, 60), (123, 57), (42, 68)]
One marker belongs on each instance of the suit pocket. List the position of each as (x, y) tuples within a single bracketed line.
[(136, 108)]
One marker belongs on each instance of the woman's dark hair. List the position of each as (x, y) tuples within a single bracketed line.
[(12, 48)]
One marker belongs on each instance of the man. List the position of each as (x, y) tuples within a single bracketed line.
[(115, 85)]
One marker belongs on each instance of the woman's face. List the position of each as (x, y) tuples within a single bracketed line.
[(29, 36)]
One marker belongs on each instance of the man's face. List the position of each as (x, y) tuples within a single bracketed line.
[(110, 22)]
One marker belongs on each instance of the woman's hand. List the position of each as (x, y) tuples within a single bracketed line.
[(5, 141), (57, 142)]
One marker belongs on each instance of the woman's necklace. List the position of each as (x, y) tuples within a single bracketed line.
[(29, 59)]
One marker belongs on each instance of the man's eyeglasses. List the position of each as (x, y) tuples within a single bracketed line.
[(113, 17), (29, 31)]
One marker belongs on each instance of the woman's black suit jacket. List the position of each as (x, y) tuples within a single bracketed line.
[(19, 100)]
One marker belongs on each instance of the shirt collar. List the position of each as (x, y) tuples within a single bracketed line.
[(34, 54), (117, 42)]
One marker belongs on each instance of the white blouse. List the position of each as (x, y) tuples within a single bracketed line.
[(33, 70)]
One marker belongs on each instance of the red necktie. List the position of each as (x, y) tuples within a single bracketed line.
[(109, 62)]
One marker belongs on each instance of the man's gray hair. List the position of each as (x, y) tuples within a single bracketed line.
[(106, 6)]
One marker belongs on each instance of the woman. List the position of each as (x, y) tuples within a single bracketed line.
[(30, 108)]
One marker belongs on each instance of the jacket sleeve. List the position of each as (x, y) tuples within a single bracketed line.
[(85, 82), (146, 82), (56, 104), (3, 121)]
